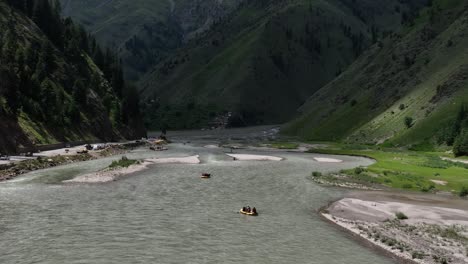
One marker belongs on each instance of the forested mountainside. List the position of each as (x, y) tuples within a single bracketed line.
[(56, 84), (143, 31), (409, 89), (264, 60)]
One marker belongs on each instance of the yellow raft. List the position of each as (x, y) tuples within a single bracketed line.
[(248, 213), (205, 176)]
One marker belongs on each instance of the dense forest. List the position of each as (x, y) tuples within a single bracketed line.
[(56, 77)]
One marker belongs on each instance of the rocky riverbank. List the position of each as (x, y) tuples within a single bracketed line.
[(416, 229), (13, 170)]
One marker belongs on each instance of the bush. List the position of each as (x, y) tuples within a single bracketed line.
[(402, 107), (407, 186), (359, 170), (417, 255), (409, 122), (401, 216), (316, 174), (463, 192), (429, 188), (460, 146), (123, 163)]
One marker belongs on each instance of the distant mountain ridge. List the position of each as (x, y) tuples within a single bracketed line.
[(144, 32), (410, 89), (264, 59)]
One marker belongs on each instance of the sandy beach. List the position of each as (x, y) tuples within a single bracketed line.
[(182, 160), (435, 230), (327, 160), (108, 175), (250, 157)]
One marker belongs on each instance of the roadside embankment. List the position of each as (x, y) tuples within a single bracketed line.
[(15, 169)]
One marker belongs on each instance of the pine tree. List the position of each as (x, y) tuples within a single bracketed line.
[(80, 93), (130, 104), (49, 101), (73, 112), (45, 64), (460, 146), (9, 47)]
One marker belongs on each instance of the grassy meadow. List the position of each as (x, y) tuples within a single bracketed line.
[(403, 169)]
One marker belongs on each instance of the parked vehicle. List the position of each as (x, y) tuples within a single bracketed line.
[(4, 157)]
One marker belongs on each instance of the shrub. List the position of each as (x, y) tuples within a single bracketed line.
[(124, 162), (464, 191), (449, 43), (460, 146), (316, 174), (407, 186), (401, 216), (402, 107), (359, 170), (409, 122), (417, 255), (429, 188), (387, 181)]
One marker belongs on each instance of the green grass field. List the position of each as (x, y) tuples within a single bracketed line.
[(409, 170)]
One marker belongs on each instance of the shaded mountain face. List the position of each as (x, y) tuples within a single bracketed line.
[(264, 59), (411, 88), (144, 32), (51, 90)]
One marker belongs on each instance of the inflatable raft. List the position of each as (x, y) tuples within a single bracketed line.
[(248, 213), (205, 176)]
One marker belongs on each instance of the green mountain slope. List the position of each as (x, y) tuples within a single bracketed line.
[(143, 31), (50, 88), (406, 90), (265, 59)]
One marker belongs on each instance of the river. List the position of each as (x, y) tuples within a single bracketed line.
[(167, 214)]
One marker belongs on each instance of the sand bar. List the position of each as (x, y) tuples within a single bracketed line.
[(109, 175), (379, 211), (211, 146), (250, 157), (327, 160), (182, 160)]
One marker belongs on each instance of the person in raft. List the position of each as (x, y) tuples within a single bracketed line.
[(249, 210)]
